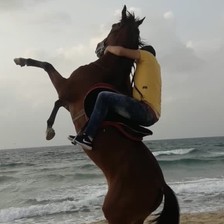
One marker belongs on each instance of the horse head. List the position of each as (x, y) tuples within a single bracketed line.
[(124, 33)]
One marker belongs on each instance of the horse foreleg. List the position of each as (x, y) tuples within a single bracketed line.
[(50, 133), (54, 75), (29, 62)]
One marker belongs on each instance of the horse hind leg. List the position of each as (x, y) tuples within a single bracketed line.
[(54, 75)]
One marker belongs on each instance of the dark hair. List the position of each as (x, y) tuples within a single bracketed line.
[(149, 48)]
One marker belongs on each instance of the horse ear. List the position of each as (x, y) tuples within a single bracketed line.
[(140, 22), (124, 15)]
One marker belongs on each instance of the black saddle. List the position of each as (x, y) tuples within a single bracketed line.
[(126, 126)]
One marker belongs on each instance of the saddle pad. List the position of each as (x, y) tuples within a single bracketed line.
[(133, 133)]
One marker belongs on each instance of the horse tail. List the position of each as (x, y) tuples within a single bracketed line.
[(171, 212)]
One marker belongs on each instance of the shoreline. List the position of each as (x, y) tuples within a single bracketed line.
[(192, 218)]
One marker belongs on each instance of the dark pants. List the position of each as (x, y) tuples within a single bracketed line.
[(127, 107)]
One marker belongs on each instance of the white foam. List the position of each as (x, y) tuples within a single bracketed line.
[(174, 152), (12, 213), (205, 186), (200, 195), (86, 198)]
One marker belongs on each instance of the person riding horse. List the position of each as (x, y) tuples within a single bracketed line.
[(143, 107)]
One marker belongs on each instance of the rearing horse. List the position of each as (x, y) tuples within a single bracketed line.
[(136, 185)]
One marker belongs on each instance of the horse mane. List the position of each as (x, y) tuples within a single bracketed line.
[(132, 19)]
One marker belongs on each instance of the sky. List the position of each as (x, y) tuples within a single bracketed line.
[(187, 35)]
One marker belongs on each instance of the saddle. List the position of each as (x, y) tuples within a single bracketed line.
[(125, 126)]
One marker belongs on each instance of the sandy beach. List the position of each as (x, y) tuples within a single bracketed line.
[(195, 218)]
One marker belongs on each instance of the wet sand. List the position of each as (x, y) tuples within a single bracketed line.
[(193, 218)]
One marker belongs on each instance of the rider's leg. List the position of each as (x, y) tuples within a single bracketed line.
[(117, 103)]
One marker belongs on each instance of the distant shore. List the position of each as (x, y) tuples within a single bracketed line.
[(193, 218)]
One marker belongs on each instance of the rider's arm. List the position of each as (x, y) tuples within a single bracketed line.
[(123, 52)]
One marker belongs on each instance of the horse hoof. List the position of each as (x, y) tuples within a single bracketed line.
[(50, 133), (20, 61)]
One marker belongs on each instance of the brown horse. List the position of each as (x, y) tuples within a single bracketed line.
[(136, 185)]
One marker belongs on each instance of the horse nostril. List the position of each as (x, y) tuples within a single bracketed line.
[(100, 49)]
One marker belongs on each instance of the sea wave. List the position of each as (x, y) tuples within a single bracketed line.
[(205, 194), (83, 199), (87, 175), (204, 186), (189, 156), (15, 165), (191, 161), (86, 166), (11, 214), (7, 179), (174, 152), (37, 201)]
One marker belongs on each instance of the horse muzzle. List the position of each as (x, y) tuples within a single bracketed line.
[(100, 49)]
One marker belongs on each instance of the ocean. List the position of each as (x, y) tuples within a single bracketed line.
[(61, 185)]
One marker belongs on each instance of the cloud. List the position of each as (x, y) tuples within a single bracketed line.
[(12, 5), (136, 11), (189, 44), (51, 18), (206, 46), (181, 59), (168, 15), (175, 55)]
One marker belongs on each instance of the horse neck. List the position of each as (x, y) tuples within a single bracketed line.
[(117, 71), (113, 62)]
